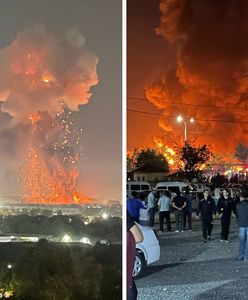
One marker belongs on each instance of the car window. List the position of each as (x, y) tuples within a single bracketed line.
[(135, 187), (145, 187), (173, 189)]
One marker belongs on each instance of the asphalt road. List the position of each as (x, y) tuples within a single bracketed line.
[(190, 269)]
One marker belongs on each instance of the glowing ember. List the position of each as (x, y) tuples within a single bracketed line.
[(34, 118), (47, 77), (42, 186)]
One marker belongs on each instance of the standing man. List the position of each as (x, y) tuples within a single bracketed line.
[(188, 210), (179, 203), (164, 204), (242, 217), (207, 209), (151, 207), (217, 195), (225, 208)]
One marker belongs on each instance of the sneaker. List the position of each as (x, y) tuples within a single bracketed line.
[(176, 230), (189, 230), (226, 241), (160, 231), (245, 260), (209, 238), (182, 230), (221, 241), (204, 241)]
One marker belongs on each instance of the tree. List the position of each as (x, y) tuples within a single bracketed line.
[(49, 271), (241, 153), (148, 157), (192, 158)]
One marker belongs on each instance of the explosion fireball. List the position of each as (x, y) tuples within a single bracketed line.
[(44, 78)]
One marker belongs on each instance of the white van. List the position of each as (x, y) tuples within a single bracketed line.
[(172, 186), (138, 186)]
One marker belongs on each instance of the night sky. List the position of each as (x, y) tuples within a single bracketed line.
[(100, 24)]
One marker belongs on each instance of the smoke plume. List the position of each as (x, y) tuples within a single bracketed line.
[(212, 61)]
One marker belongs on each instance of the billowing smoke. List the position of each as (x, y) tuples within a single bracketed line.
[(43, 79), (212, 57)]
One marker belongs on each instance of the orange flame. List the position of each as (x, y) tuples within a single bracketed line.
[(167, 152), (41, 186)]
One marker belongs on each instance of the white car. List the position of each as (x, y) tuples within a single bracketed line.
[(148, 252)]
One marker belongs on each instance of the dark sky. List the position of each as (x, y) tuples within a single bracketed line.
[(148, 56), (100, 24)]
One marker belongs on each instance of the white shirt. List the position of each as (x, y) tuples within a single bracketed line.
[(144, 215), (164, 203), (151, 200)]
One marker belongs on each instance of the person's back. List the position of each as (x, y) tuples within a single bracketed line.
[(188, 198), (164, 203), (242, 213), (179, 202), (151, 200), (133, 206)]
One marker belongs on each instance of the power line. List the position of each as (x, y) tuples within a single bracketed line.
[(192, 104), (173, 117)]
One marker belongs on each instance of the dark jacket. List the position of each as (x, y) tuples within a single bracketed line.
[(188, 198), (242, 213), (207, 208), (179, 201), (226, 206), (133, 206)]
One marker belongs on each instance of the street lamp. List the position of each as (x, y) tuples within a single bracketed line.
[(180, 119)]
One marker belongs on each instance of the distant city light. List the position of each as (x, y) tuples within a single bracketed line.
[(105, 216), (66, 239)]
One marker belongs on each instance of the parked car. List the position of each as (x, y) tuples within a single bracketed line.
[(148, 252), (138, 186), (172, 186)]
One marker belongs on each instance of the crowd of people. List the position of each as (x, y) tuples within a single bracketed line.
[(142, 209)]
